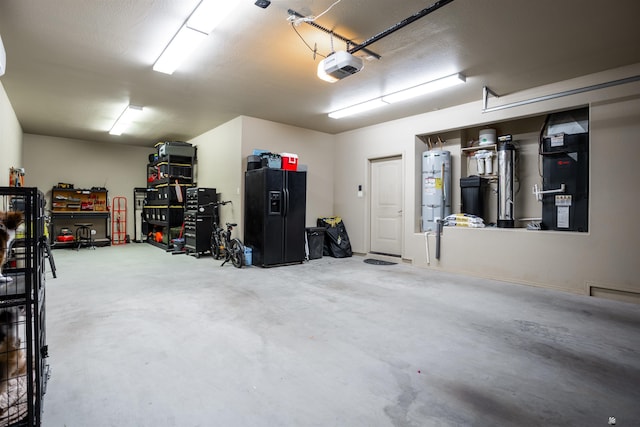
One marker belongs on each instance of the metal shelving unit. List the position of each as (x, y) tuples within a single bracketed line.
[(71, 205), (168, 178)]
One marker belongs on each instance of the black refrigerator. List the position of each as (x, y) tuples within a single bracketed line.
[(274, 216)]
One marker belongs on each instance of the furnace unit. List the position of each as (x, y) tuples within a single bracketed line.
[(565, 195), (564, 153)]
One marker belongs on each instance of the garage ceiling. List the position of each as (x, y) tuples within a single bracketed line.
[(73, 65)]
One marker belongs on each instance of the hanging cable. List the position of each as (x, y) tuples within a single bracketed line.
[(328, 9), (312, 49), (297, 20), (293, 15)]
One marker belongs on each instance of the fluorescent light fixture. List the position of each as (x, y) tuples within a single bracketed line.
[(126, 118), (322, 74), (425, 88), (358, 108), (181, 46), (3, 59), (209, 14), (401, 95), (198, 26)]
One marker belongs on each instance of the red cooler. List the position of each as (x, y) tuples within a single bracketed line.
[(289, 161)]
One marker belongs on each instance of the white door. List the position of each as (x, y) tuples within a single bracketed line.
[(386, 206)]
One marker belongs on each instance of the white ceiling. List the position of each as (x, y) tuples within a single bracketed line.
[(73, 65)]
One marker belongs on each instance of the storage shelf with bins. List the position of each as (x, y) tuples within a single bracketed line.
[(70, 206), (168, 178)]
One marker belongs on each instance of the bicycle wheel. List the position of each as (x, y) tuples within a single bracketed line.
[(236, 252), (216, 245)]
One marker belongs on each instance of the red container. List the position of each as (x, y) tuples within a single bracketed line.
[(289, 161)]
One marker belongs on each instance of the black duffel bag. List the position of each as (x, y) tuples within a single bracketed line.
[(336, 239)]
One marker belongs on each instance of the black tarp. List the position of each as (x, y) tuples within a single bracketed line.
[(336, 239)]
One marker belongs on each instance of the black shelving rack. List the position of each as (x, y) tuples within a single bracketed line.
[(24, 370), (169, 175)]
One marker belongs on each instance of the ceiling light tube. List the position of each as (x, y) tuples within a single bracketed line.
[(3, 59), (126, 118), (425, 88), (209, 14), (180, 47), (401, 95), (358, 108)]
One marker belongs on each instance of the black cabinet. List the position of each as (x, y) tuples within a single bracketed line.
[(199, 216)]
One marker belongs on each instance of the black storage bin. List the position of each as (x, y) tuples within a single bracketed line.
[(254, 162), (471, 192), (315, 240)]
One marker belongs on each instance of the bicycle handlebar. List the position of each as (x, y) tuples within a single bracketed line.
[(217, 203)]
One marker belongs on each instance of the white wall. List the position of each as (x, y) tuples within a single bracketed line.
[(315, 151), (606, 256), (10, 140), (219, 166), (85, 164), (602, 261), (222, 154)]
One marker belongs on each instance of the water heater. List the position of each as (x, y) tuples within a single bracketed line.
[(436, 188)]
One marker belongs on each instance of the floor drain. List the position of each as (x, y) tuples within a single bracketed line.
[(378, 262)]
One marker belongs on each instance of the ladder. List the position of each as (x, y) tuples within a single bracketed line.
[(119, 221)]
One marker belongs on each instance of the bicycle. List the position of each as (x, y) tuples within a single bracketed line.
[(223, 245)]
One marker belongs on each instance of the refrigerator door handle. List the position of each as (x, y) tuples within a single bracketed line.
[(285, 208)]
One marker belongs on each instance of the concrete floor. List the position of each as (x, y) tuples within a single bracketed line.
[(138, 337)]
